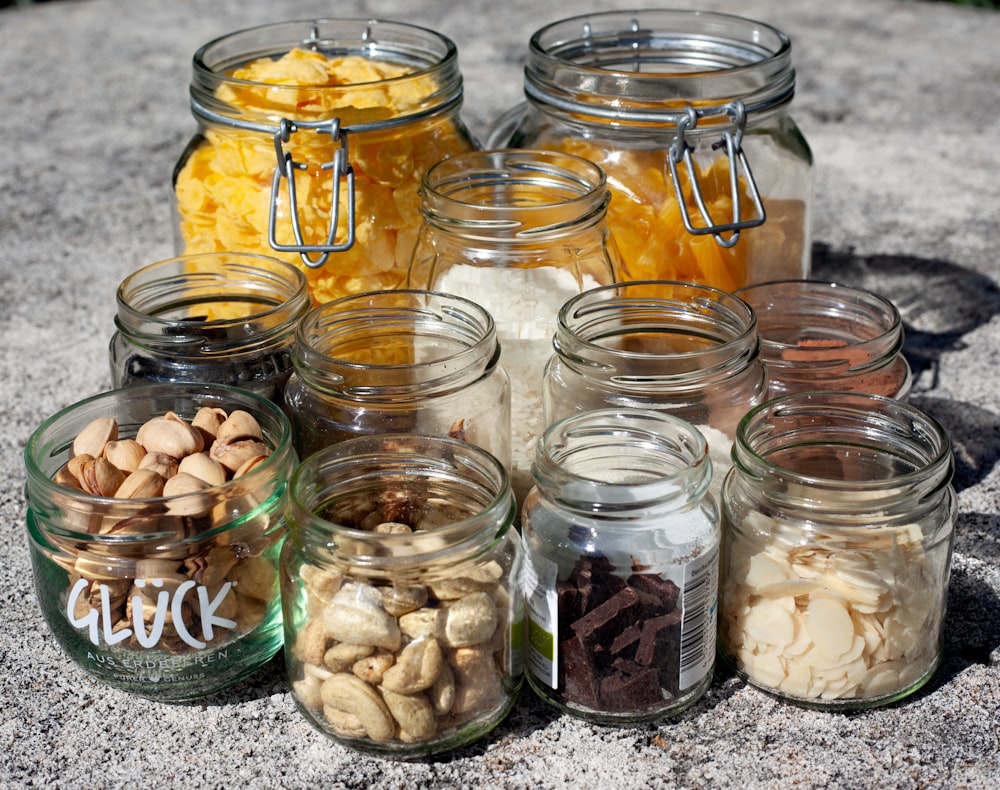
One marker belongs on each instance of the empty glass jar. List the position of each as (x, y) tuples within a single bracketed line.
[(399, 361)]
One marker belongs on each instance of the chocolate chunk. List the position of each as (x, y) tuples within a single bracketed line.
[(660, 647), (600, 625), (625, 643), (581, 682), (664, 589), (631, 691)]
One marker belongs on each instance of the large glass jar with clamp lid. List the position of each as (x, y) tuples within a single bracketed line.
[(312, 139), (688, 114)]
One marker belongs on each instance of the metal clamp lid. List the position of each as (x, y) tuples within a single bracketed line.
[(732, 140)]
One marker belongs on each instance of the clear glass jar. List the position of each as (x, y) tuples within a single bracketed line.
[(687, 112), (839, 519), (349, 112), (169, 594), (821, 335), (404, 361), (518, 232), (403, 619), (216, 318), (621, 573), (685, 349)]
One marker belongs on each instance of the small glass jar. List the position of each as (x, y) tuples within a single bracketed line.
[(621, 573), (164, 591), (403, 619), (826, 336), (839, 519), (686, 349), (312, 139), (518, 232), (404, 361), (216, 318), (687, 112)]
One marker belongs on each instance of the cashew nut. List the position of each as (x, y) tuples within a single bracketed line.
[(345, 692), (417, 667)]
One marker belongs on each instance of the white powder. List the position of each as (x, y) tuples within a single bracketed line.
[(524, 304)]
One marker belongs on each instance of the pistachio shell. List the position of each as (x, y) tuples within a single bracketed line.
[(141, 484), (91, 440), (171, 435), (164, 465), (249, 465), (239, 425), (125, 454), (233, 455), (204, 467), (207, 420), (101, 477)]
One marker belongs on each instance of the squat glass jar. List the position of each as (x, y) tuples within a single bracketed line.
[(687, 112), (169, 594), (312, 139), (680, 348), (403, 618), (399, 361), (839, 519), (518, 232), (621, 576), (215, 318), (827, 336)]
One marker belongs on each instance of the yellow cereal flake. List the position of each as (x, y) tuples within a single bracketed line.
[(223, 189)]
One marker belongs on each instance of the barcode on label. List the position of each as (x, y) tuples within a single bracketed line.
[(699, 595)]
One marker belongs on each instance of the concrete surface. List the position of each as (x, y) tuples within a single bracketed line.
[(899, 101)]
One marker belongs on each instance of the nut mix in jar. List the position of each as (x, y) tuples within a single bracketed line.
[(839, 520), (155, 519), (399, 361), (403, 618), (518, 232), (687, 112), (215, 318), (827, 336), (313, 137), (621, 542)]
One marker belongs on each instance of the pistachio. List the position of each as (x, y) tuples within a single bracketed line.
[(141, 484), (74, 466), (97, 433), (249, 465), (239, 425), (161, 463), (180, 487), (170, 434), (101, 477), (204, 467), (207, 420), (125, 454), (233, 455), (66, 478)]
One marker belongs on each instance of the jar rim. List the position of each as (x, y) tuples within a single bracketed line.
[(605, 64), (46, 442), (725, 326), (844, 420), (386, 459), (186, 281), (430, 53)]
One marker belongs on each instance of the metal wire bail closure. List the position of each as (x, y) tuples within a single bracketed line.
[(732, 139), (341, 168)]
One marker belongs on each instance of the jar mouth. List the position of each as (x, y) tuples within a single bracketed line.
[(649, 333), (647, 65), (454, 495), (255, 491), (516, 195), (609, 461), (211, 304), (843, 452), (431, 81), (400, 343)]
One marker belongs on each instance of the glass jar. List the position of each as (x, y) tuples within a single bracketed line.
[(685, 349), (215, 318), (687, 112), (621, 574), (166, 591), (403, 619), (349, 113), (821, 335), (404, 361), (839, 519), (518, 232)]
